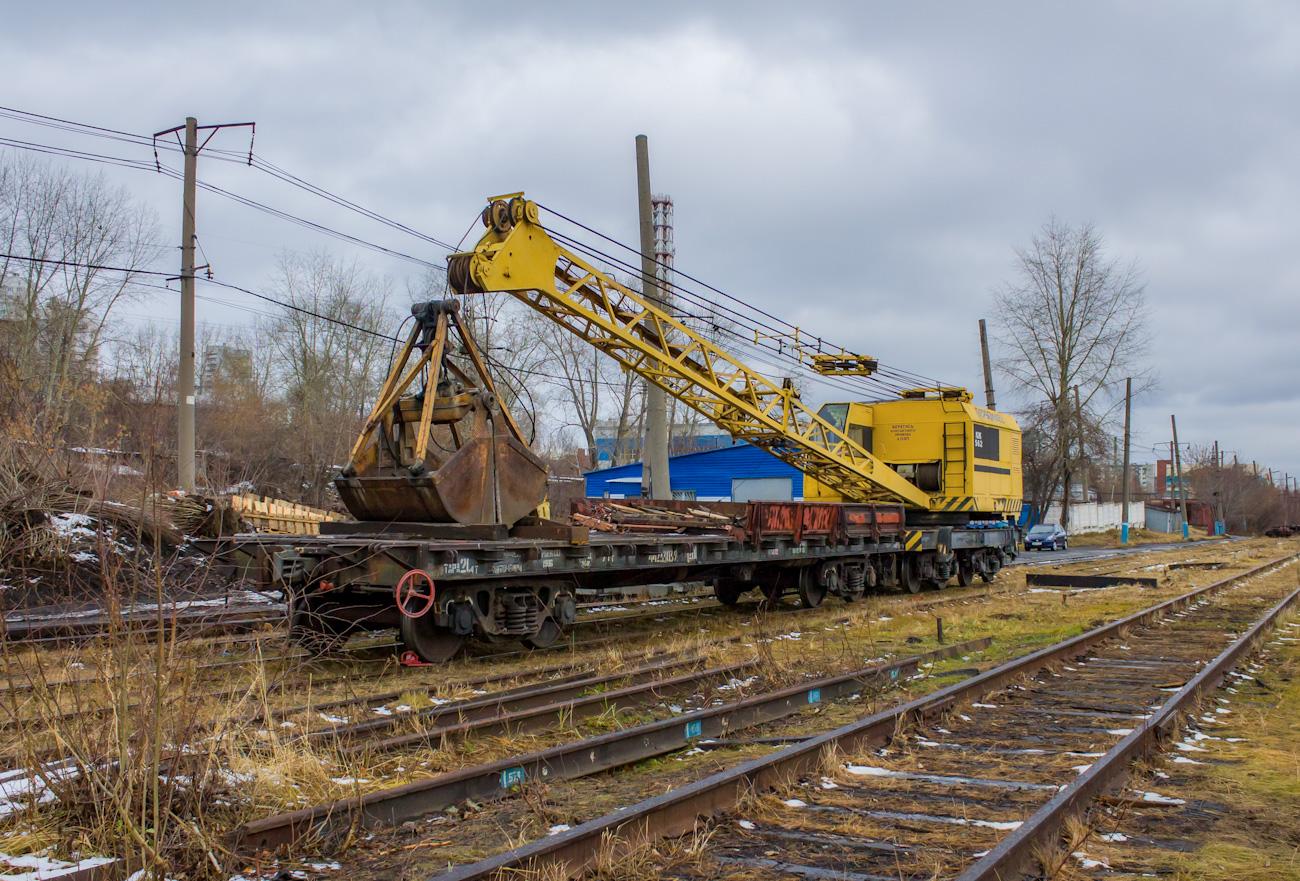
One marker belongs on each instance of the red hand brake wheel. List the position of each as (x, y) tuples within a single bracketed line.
[(410, 600)]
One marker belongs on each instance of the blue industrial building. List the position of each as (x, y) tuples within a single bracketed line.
[(608, 448), (738, 473)]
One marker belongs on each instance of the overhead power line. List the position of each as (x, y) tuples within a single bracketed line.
[(753, 318)]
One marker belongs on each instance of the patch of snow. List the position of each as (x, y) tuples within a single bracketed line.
[(869, 771), (70, 525), (47, 867), (557, 829), (1088, 862), (794, 803)]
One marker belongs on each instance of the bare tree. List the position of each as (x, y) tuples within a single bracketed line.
[(589, 391), (331, 345), (1250, 503), (56, 313), (1072, 317)]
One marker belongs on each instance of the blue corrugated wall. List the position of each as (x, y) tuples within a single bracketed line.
[(709, 473)]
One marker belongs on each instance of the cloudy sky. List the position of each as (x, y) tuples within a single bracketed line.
[(864, 169)]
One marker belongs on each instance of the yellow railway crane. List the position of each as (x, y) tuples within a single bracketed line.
[(930, 450)]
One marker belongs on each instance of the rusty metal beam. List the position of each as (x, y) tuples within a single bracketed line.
[(1051, 579)]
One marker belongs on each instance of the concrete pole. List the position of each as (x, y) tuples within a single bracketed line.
[(1128, 413), (1219, 510), (656, 412), (185, 374), (1178, 475), (988, 367)]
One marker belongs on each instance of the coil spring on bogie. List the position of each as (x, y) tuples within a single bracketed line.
[(518, 613), (854, 580)]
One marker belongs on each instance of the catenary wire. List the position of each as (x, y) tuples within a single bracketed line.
[(281, 174)]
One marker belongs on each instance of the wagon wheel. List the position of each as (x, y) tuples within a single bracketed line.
[(772, 592), (546, 636), (729, 592), (908, 576), (312, 631), (811, 590), (965, 572), (433, 644)]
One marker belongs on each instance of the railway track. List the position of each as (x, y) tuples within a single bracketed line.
[(440, 721), (40, 627), (566, 673), (971, 782), (43, 629)]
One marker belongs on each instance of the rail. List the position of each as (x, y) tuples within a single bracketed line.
[(678, 811)]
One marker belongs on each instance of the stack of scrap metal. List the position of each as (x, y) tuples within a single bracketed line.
[(635, 516)]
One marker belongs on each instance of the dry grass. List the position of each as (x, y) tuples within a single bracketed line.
[(166, 768)]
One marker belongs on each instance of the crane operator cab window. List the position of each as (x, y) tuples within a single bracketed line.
[(838, 417)]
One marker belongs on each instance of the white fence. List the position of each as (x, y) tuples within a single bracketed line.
[(1098, 516)]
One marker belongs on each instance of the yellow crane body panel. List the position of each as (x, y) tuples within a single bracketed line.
[(966, 457)]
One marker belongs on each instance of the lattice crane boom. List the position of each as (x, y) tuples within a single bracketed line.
[(518, 256)]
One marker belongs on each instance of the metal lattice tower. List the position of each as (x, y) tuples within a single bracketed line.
[(664, 248)]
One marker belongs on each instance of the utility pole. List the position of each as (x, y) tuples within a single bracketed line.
[(1169, 478), (1219, 515), (185, 369), (1178, 475), (1128, 412), (988, 367), (185, 378), (1114, 463), (656, 414)]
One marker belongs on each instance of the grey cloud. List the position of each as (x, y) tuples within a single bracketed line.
[(864, 169)]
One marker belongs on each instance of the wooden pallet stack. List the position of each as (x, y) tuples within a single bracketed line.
[(276, 515)]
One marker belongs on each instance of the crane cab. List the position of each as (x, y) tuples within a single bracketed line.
[(967, 458)]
